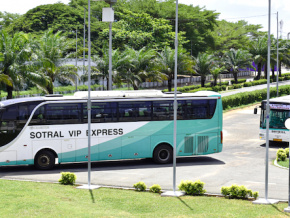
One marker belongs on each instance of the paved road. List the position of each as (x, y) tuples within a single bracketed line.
[(253, 88), (241, 162)]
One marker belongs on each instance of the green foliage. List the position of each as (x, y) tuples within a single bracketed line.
[(236, 191), (225, 190), (281, 155), (287, 151), (140, 186), (248, 84), (67, 178), (192, 188), (251, 97), (155, 188)]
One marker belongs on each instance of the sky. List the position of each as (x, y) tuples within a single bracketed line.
[(253, 11)]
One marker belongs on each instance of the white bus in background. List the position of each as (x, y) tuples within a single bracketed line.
[(279, 113), (125, 125)]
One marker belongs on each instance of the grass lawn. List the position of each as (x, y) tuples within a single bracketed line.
[(284, 163), (29, 199)]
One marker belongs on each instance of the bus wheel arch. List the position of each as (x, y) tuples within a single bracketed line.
[(45, 159), (163, 153)]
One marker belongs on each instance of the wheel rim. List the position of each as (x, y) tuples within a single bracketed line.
[(164, 154), (43, 161)]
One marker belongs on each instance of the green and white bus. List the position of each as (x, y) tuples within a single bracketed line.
[(279, 113), (124, 125)]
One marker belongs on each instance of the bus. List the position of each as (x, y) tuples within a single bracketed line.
[(43, 131), (279, 113)]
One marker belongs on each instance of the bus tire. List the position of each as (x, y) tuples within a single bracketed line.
[(44, 160), (163, 154)]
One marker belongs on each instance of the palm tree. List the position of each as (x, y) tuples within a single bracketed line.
[(202, 65), (166, 61), (14, 66), (136, 65), (236, 60), (215, 72), (50, 57), (259, 49)]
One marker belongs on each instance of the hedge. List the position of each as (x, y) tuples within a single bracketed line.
[(252, 97)]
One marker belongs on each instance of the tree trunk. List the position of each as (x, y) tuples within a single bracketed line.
[(202, 81), (273, 74), (259, 71), (135, 87), (280, 68), (9, 90), (235, 77), (266, 71), (169, 84)]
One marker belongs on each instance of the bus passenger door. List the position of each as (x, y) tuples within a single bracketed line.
[(135, 147), (109, 149), (68, 150)]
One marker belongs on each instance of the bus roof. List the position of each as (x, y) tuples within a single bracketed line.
[(283, 99), (82, 95), (19, 100), (142, 94)]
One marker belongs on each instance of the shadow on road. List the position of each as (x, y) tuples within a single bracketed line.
[(109, 166), (276, 145)]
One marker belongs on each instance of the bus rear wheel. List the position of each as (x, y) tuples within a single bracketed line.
[(163, 154), (44, 160)]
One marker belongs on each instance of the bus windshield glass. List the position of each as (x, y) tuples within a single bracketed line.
[(277, 118)]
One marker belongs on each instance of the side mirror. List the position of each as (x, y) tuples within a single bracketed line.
[(255, 110)]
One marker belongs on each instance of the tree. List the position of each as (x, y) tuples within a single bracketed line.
[(195, 22), (166, 61), (259, 49), (236, 60), (137, 65), (14, 67), (236, 35), (202, 65), (49, 59), (6, 19), (215, 72)]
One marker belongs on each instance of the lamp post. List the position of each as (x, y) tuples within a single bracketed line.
[(108, 16), (277, 77), (266, 200), (76, 59), (89, 186), (175, 193)]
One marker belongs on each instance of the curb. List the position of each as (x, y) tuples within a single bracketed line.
[(277, 165)]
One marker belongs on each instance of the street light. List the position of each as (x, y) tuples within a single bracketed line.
[(108, 16)]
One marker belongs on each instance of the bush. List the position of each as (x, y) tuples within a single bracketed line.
[(67, 178), (155, 188), (236, 191), (225, 191), (281, 155), (248, 84), (140, 186), (287, 152), (192, 188)]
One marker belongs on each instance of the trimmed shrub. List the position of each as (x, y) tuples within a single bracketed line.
[(287, 152), (236, 191), (281, 155), (225, 191), (67, 178), (248, 84), (155, 188), (192, 188), (140, 186)]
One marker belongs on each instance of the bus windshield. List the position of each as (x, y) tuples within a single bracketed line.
[(12, 119), (277, 118)]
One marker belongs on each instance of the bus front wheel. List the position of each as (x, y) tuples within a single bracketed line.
[(44, 160), (163, 154)]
